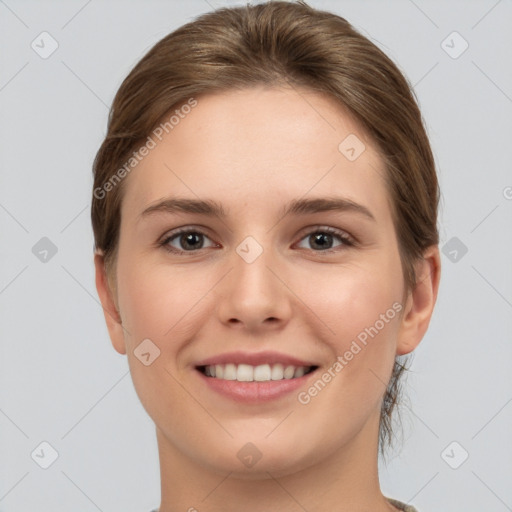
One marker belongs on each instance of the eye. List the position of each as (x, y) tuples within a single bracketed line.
[(322, 239), (188, 240), (193, 240)]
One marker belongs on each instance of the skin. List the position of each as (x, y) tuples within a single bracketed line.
[(254, 151)]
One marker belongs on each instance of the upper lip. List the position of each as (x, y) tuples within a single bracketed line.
[(254, 359)]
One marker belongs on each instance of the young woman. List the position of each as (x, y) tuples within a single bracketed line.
[(264, 212)]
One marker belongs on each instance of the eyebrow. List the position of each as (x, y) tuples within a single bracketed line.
[(296, 207)]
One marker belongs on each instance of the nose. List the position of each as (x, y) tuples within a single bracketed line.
[(254, 295)]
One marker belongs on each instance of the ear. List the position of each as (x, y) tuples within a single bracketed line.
[(112, 316), (420, 302)]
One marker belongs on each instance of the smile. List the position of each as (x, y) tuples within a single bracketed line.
[(250, 373), (247, 384)]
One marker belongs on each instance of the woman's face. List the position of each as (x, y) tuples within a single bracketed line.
[(320, 286)]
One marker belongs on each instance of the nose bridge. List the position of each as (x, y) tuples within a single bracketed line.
[(252, 265), (251, 272), (253, 293)]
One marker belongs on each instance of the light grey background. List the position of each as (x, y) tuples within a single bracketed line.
[(60, 379)]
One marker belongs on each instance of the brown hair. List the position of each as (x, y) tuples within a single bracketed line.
[(279, 43)]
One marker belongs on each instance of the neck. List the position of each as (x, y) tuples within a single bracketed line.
[(342, 481)]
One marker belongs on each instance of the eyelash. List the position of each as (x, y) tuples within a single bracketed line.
[(342, 236)]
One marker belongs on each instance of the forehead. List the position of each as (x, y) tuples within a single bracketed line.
[(260, 145)]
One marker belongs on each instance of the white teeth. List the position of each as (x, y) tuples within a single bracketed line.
[(277, 372), (245, 373), (230, 372), (249, 373), (299, 372), (289, 372), (262, 372)]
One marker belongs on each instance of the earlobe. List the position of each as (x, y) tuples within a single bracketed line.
[(110, 310), (420, 302)]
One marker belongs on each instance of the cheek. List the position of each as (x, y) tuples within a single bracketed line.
[(347, 299), (159, 302), (360, 305), (361, 308)]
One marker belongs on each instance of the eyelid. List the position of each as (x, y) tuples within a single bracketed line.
[(318, 228), (184, 229)]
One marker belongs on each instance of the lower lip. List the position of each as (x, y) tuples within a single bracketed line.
[(254, 392)]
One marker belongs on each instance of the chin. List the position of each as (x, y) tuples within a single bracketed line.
[(247, 460)]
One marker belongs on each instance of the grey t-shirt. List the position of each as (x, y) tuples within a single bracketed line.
[(398, 504)]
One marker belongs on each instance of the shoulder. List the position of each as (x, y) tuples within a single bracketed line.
[(399, 505)]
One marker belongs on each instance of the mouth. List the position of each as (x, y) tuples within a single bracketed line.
[(254, 377), (250, 373)]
